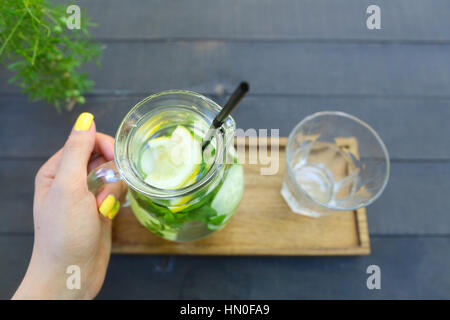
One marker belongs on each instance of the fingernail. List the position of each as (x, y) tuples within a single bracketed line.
[(83, 122), (114, 210), (107, 205)]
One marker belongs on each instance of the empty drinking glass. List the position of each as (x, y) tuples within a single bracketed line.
[(334, 162)]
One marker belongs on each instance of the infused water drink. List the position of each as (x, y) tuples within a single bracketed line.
[(201, 189)]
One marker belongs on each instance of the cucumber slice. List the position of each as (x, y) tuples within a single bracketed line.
[(229, 196)]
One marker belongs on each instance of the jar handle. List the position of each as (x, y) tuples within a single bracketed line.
[(102, 176)]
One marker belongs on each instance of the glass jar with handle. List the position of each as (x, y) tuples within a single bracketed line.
[(176, 189)]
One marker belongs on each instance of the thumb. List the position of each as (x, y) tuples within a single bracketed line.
[(78, 149)]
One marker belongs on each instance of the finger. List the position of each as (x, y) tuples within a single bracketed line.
[(109, 199), (103, 151), (46, 175), (95, 162), (106, 235), (78, 149), (110, 195), (104, 145)]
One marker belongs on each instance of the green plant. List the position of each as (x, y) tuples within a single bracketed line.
[(44, 55)]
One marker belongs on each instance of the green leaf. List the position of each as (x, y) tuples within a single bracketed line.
[(218, 220), (204, 214), (44, 55)]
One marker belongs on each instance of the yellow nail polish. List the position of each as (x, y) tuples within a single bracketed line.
[(83, 122), (107, 205), (114, 210)]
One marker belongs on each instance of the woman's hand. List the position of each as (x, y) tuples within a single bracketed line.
[(68, 229)]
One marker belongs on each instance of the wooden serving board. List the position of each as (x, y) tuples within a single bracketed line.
[(263, 224)]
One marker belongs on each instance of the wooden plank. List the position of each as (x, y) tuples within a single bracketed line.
[(411, 128), (293, 20), (273, 68), (411, 267), (327, 237)]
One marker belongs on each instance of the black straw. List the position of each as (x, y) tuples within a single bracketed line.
[(231, 104)]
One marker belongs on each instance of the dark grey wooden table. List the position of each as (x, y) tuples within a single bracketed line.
[(299, 57)]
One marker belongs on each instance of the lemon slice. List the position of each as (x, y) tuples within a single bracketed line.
[(172, 162)]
